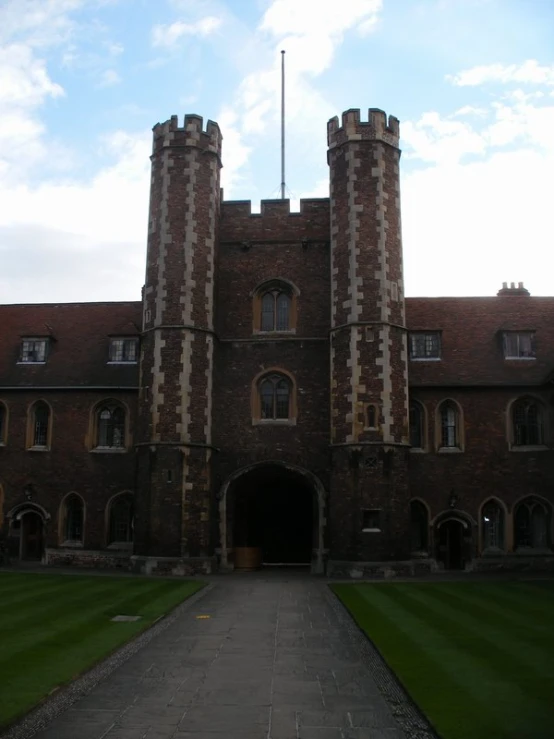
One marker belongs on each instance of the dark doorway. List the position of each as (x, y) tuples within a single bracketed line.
[(31, 536), (273, 509), (451, 544)]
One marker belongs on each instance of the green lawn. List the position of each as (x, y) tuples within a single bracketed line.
[(478, 658), (53, 627)]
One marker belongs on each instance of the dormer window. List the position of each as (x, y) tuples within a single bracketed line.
[(124, 350), (519, 345), (425, 345), (33, 351)]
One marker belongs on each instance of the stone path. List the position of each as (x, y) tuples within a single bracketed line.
[(274, 660)]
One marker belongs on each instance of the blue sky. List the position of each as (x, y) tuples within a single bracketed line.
[(83, 81)]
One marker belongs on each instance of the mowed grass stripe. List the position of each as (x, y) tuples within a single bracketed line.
[(47, 603), (15, 593), (502, 610), (404, 643), (63, 628), (479, 631), (78, 633), (480, 655), (453, 687)]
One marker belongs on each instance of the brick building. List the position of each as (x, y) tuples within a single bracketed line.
[(275, 393)]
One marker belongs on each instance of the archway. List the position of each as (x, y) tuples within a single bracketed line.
[(27, 531), (453, 542), (277, 508)]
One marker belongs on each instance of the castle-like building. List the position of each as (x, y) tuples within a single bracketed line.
[(275, 395)]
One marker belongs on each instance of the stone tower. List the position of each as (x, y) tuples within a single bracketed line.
[(369, 496), (175, 408)]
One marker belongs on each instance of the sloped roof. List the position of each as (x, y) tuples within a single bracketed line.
[(78, 349), (471, 337)]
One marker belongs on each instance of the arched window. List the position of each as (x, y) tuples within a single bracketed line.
[(73, 516), (492, 525), (449, 415), (275, 397), (417, 417), (527, 423), (371, 416), (120, 520), (419, 527), (110, 427), (3, 423), (531, 523), (39, 431), (276, 310)]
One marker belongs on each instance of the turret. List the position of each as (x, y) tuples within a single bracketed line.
[(369, 383), (174, 448)]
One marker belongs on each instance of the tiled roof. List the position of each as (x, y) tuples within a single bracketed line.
[(472, 328), (78, 350)]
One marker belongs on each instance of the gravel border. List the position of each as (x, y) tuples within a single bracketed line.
[(59, 701), (405, 711)]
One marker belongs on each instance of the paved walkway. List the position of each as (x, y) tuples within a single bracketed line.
[(274, 660)]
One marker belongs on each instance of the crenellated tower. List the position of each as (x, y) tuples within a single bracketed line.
[(175, 408), (369, 381)]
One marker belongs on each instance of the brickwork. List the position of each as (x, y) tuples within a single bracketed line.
[(368, 351), (177, 355), (195, 427)]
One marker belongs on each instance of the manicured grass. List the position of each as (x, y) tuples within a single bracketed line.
[(53, 627), (477, 657)]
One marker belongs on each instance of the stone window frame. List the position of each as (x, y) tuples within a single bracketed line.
[(130, 339), (112, 543), (256, 402), (436, 334), (424, 426), (531, 502), (92, 441), (485, 547), (31, 431), (63, 540), (277, 284), (520, 355), (23, 353), (372, 424), (459, 446), (511, 425), (4, 420)]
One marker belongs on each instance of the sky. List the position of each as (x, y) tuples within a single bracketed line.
[(82, 82)]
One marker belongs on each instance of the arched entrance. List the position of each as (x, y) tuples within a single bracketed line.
[(277, 508), (453, 542), (26, 533)]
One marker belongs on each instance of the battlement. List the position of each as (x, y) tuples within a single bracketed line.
[(170, 134), (376, 128), (275, 220)]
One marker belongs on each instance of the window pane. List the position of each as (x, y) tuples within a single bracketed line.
[(268, 312), (130, 350), (116, 350), (121, 519), (2, 423), (527, 420), (74, 519), (538, 526), (371, 417), (425, 345), (41, 415), (522, 525), (33, 350), (266, 396), (282, 399), (449, 426), (493, 526), (283, 306)]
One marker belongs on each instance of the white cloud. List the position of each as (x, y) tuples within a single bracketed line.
[(530, 72), (109, 78), (477, 223), (168, 35)]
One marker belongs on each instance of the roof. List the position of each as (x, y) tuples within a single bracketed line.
[(471, 339), (79, 340)]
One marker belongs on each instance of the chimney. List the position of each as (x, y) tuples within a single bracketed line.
[(513, 290)]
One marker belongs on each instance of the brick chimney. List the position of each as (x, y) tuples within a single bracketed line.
[(513, 289)]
